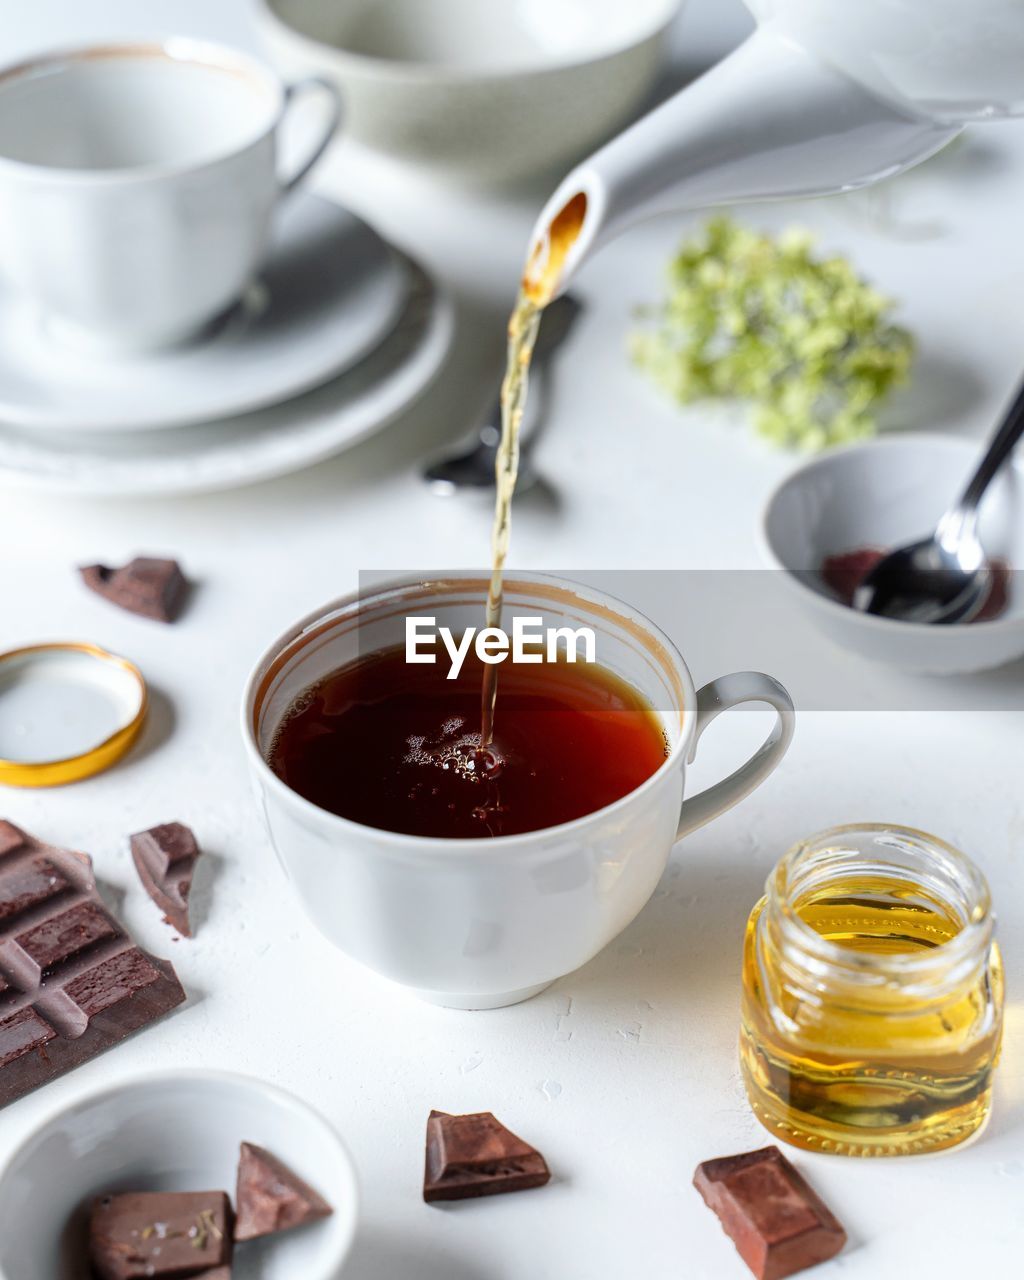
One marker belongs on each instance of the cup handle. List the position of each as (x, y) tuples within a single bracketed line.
[(291, 93), (721, 695)]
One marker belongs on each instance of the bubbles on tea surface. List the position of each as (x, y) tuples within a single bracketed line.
[(295, 708), (456, 752), (482, 763)]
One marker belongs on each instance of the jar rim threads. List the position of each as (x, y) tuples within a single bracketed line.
[(954, 881)]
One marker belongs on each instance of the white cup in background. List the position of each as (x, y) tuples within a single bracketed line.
[(137, 184)]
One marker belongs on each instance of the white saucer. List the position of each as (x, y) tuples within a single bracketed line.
[(330, 292), (243, 450)]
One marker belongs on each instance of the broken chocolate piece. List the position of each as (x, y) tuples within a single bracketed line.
[(165, 858), (271, 1198), (161, 1234), (776, 1221), (72, 982), (476, 1155), (146, 586)]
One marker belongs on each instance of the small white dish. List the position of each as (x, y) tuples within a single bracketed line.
[(178, 1131), (879, 495), (251, 448), (330, 292), (474, 90)]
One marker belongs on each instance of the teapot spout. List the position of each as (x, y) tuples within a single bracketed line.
[(771, 121)]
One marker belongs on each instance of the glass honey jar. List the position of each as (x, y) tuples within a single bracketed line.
[(872, 995)]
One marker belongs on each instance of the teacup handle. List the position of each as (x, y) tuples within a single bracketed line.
[(291, 93), (721, 695)]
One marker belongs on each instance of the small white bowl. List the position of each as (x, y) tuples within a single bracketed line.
[(881, 494), (476, 90), (178, 1131)]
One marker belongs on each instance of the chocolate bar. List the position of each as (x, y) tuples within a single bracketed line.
[(72, 982), (475, 1155), (165, 858), (776, 1221), (161, 1234), (147, 586), (271, 1198)]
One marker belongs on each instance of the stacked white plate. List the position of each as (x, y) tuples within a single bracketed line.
[(338, 336)]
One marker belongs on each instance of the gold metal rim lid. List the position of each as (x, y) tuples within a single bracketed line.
[(67, 711)]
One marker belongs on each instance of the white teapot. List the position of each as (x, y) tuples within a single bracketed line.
[(824, 96)]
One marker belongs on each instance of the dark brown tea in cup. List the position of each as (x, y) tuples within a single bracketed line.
[(396, 745)]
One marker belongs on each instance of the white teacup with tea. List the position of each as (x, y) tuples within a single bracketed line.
[(137, 184), (379, 843)]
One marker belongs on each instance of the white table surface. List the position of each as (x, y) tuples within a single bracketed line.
[(624, 1074)]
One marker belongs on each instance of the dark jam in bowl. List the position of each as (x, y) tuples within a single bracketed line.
[(843, 574)]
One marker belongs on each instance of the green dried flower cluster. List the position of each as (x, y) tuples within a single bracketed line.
[(805, 339)]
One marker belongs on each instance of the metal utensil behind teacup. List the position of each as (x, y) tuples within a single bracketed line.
[(945, 577), (471, 465)]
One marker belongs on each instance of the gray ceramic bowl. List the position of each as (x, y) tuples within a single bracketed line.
[(879, 495), (177, 1131), (477, 91)]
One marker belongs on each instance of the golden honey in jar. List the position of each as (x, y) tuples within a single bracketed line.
[(872, 995)]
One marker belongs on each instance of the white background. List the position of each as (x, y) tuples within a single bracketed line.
[(624, 1074)]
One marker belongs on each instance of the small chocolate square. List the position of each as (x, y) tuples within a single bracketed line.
[(777, 1222), (475, 1155), (165, 858), (151, 587), (160, 1233), (270, 1197)]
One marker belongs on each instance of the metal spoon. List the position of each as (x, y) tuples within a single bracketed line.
[(946, 577), (472, 466)]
